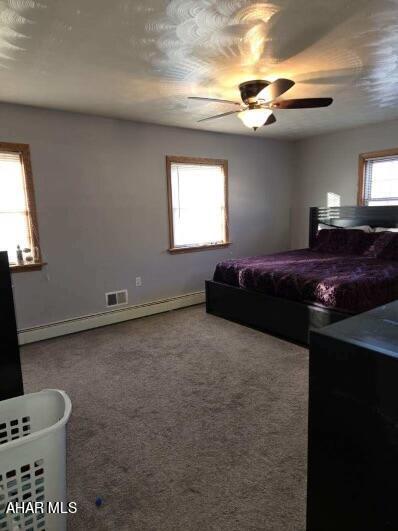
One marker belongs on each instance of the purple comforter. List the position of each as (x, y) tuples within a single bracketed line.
[(345, 283)]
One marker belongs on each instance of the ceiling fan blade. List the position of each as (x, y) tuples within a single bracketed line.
[(275, 89), (218, 116), (303, 103), (213, 99), (270, 120)]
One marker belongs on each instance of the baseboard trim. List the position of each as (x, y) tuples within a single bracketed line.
[(86, 322)]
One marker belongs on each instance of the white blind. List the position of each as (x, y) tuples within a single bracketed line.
[(14, 214), (381, 181), (198, 203)]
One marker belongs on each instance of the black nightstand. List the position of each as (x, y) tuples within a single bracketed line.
[(353, 424), (10, 366)]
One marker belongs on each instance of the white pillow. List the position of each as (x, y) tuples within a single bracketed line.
[(322, 226), (364, 228), (385, 229)]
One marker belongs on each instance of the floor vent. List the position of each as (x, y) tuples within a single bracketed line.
[(116, 298)]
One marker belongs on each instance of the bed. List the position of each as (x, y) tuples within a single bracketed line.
[(289, 293)]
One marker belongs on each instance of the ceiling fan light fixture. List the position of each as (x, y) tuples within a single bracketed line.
[(254, 118), (259, 98)]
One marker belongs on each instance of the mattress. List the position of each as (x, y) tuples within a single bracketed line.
[(345, 283)]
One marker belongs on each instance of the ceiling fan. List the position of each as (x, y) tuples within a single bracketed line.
[(260, 97)]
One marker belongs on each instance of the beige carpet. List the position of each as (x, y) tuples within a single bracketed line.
[(181, 421)]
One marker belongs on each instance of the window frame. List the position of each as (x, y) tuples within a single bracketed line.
[(24, 152), (199, 161), (363, 158)]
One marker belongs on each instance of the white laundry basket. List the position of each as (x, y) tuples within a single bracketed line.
[(33, 458)]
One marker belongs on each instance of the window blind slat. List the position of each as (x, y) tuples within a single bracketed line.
[(14, 212), (198, 204), (381, 180)]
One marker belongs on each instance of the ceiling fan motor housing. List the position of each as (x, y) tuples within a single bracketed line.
[(250, 89)]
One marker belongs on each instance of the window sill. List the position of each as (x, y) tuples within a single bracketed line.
[(176, 250), (15, 268)]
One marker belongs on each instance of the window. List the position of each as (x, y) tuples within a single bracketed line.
[(198, 203), (378, 178), (18, 223)]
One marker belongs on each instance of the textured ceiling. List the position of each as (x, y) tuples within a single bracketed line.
[(141, 59)]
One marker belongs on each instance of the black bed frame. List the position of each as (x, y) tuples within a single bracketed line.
[(290, 319)]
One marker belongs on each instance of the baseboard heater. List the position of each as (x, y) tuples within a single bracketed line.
[(87, 322)]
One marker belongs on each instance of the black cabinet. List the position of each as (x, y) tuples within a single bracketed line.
[(10, 366), (353, 424)]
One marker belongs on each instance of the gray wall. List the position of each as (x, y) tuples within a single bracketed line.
[(102, 208), (329, 163)]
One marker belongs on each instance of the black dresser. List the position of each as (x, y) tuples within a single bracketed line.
[(353, 424), (10, 366)]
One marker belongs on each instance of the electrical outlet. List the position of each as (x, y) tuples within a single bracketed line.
[(138, 281)]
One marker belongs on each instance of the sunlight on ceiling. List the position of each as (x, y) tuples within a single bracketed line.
[(140, 60)]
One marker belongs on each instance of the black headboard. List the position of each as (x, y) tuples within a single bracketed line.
[(351, 216)]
